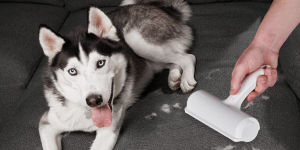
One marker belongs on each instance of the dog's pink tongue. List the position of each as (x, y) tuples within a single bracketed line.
[(102, 116)]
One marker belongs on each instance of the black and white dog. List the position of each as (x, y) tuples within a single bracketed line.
[(95, 74)]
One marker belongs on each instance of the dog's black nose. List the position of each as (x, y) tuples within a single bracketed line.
[(94, 100)]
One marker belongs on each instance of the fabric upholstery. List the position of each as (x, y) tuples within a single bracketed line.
[(72, 5), (51, 2), (289, 57), (81, 4), (222, 32), (20, 51), (218, 1)]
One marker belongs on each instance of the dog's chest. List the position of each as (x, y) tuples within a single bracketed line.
[(78, 119), (88, 114)]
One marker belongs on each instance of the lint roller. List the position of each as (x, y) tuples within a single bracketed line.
[(225, 116)]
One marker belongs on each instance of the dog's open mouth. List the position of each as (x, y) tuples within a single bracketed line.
[(102, 116)]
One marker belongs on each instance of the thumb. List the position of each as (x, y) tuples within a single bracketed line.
[(272, 61)]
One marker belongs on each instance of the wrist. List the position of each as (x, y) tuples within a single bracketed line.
[(268, 41), (265, 54)]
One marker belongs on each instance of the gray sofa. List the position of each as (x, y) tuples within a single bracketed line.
[(222, 30)]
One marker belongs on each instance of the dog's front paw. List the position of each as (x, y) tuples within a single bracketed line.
[(105, 140), (174, 79), (187, 84)]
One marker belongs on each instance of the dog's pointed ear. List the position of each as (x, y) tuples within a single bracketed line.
[(101, 25), (51, 42)]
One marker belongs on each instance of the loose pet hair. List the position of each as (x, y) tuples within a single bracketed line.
[(94, 74)]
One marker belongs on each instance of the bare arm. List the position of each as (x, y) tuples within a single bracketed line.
[(281, 19)]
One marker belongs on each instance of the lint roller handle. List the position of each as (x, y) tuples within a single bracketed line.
[(248, 85)]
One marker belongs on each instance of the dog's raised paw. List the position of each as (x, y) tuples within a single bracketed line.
[(188, 85)]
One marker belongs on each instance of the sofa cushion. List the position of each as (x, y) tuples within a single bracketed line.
[(222, 33), (289, 57), (51, 2), (81, 4), (20, 51), (72, 5)]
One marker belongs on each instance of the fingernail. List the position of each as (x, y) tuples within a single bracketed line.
[(263, 80), (232, 89), (270, 73)]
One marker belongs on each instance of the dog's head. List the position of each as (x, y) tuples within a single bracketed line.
[(85, 62)]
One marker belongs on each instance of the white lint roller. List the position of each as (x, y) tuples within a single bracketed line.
[(225, 116)]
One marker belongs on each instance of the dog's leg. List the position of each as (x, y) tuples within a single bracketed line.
[(179, 60), (106, 137), (50, 137), (187, 63), (174, 77), (170, 53)]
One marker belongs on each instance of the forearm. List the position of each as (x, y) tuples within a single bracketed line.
[(281, 19)]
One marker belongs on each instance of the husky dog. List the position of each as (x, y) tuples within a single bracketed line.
[(95, 74)]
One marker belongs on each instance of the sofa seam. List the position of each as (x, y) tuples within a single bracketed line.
[(63, 3), (62, 24), (27, 81), (32, 72)]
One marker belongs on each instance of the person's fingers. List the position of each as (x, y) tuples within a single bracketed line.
[(261, 86), (238, 74), (251, 96), (271, 74)]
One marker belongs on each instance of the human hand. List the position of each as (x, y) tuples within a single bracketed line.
[(251, 59)]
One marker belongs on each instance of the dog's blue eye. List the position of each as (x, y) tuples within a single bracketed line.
[(72, 72), (100, 63)]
